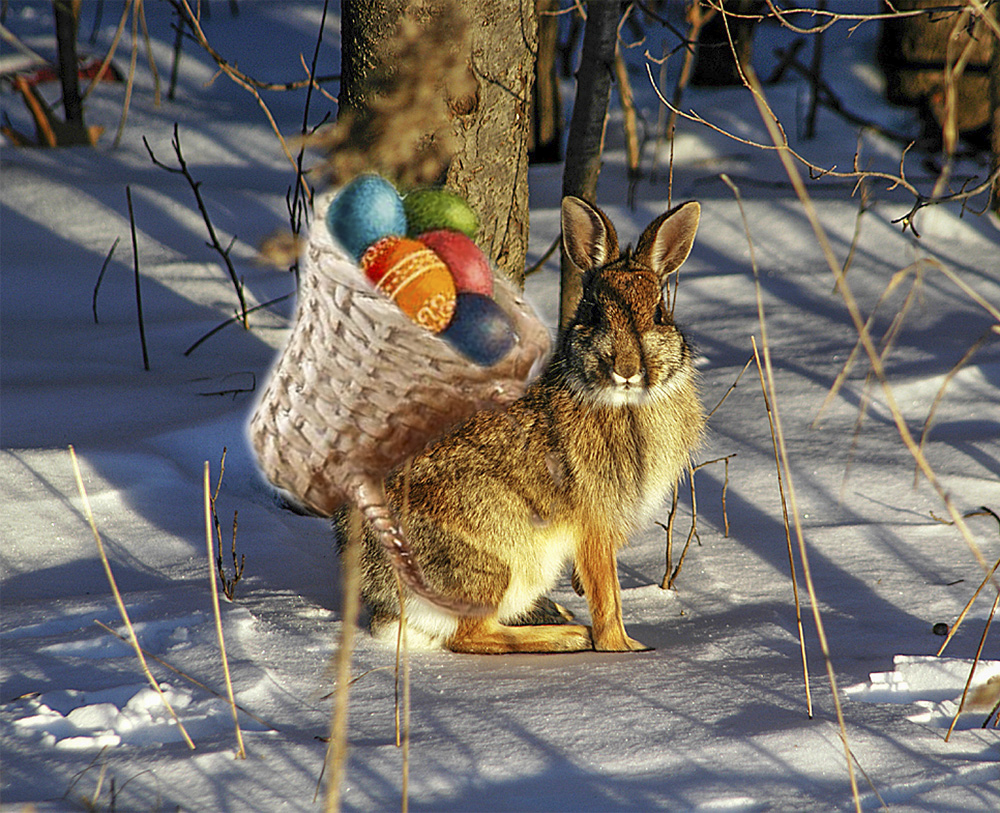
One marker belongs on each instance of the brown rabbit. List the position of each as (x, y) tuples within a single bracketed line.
[(495, 510)]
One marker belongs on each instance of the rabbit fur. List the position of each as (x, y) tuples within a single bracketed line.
[(495, 510)]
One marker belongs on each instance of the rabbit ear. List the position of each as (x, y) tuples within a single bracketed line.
[(667, 241), (589, 238)]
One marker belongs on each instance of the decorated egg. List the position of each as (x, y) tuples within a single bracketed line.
[(429, 209), (366, 210), (413, 277), (480, 329), (468, 265)]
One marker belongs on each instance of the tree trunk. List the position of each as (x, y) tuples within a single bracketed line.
[(67, 14), (469, 131), (546, 101), (586, 129), (714, 64), (995, 120)]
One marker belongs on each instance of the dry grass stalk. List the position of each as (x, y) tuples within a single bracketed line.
[(987, 335), (209, 501), (788, 535), (989, 576), (771, 420), (133, 638), (403, 726), (787, 159), (192, 680), (336, 752), (780, 142), (975, 663)]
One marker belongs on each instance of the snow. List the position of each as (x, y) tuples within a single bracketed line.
[(714, 718)]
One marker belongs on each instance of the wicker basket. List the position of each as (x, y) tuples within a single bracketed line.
[(360, 388)]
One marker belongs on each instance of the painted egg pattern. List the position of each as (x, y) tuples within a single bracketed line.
[(413, 277)]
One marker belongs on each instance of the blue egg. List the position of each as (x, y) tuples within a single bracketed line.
[(365, 211), (480, 329)]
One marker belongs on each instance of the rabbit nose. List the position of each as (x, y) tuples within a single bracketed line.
[(626, 381)]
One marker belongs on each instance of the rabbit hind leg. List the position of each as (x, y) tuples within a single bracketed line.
[(487, 636)]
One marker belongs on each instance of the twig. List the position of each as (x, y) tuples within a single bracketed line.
[(100, 276), (138, 288), (732, 387), (133, 638), (236, 320), (816, 172), (671, 577), (214, 243), (228, 585), (239, 78), (208, 501), (671, 574), (544, 258), (298, 207)]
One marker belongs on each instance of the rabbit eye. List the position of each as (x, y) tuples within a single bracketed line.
[(660, 315), (588, 313)]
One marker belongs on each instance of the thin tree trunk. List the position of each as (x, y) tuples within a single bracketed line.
[(586, 129), (67, 15), (546, 104), (995, 118)]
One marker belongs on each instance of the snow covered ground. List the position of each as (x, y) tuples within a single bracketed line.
[(715, 717)]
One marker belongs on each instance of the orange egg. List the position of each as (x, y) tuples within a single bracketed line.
[(413, 277)]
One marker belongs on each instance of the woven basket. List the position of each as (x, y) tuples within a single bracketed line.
[(360, 388)]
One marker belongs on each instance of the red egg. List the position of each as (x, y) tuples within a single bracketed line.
[(415, 278), (466, 261)]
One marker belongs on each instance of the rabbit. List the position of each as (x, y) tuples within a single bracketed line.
[(495, 510)]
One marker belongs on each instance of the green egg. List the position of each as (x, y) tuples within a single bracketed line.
[(429, 209)]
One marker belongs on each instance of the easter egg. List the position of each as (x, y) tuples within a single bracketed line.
[(366, 210), (480, 329), (468, 265), (429, 209), (413, 277)]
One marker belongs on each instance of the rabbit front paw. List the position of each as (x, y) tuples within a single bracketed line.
[(617, 641)]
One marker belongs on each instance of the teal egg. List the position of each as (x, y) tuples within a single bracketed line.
[(480, 329), (366, 210), (430, 209)]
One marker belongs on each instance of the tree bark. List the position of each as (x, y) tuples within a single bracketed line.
[(482, 144), (586, 129), (546, 101), (67, 14)]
